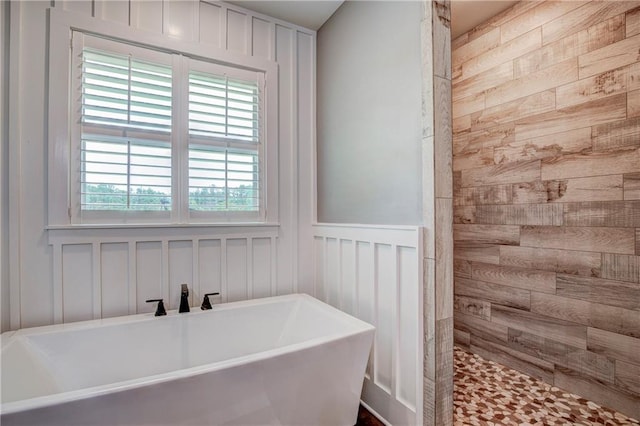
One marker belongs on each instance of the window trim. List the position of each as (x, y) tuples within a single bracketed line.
[(61, 26)]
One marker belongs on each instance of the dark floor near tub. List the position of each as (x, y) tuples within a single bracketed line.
[(365, 418), (487, 393)]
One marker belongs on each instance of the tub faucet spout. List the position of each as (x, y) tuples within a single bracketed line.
[(184, 299)]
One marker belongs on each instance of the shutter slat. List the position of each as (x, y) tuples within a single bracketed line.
[(223, 108)]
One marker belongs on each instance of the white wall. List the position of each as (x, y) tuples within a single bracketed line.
[(369, 114), (67, 275)]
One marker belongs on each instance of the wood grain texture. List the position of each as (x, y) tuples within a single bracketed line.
[(633, 23), (563, 308), (616, 55), (443, 138), (627, 376), (582, 18), (468, 105), (461, 124), (598, 86), (621, 267), (591, 164), (579, 43), (597, 239), (464, 87), (580, 360), (464, 214), (461, 338), (486, 234), (474, 307), (473, 159), (532, 366), (603, 213), (549, 146), (519, 214), (597, 290), (614, 319), (597, 390), (502, 18), (634, 77), (527, 279), (492, 194), (633, 104), (597, 188), (522, 107), (561, 121), (587, 114), (568, 332), (544, 79), (494, 293), (503, 53), (603, 33), (480, 139), (462, 268), (444, 258), (539, 15), (487, 253), (486, 330), (476, 47), (616, 135), (548, 55), (581, 263), (614, 345), (521, 171), (631, 186)]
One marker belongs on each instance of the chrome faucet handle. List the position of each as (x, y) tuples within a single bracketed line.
[(160, 311), (206, 303)]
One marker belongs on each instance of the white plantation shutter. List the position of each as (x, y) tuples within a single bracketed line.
[(126, 116), (224, 142), (162, 137), (119, 90)]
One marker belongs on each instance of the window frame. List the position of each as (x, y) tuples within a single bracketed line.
[(63, 205)]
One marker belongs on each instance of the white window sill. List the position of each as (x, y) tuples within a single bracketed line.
[(161, 225), (92, 233)]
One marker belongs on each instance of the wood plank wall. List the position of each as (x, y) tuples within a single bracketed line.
[(546, 159)]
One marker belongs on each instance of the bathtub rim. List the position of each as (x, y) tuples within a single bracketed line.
[(96, 391)]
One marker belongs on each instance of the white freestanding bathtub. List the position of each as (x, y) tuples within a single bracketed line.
[(287, 360)]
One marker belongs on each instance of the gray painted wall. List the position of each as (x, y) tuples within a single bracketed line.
[(369, 114), (4, 167)]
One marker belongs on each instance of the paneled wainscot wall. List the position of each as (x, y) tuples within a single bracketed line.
[(372, 272), (61, 274), (546, 107)]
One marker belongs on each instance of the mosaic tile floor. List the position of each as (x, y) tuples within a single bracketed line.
[(487, 393)]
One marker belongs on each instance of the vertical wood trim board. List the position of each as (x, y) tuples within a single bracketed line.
[(155, 267), (547, 233), (373, 273)]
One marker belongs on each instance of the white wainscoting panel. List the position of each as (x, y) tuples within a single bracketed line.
[(374, 273), (57, 277), (100, 273)]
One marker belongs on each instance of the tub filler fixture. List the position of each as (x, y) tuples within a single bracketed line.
[(286, 360)]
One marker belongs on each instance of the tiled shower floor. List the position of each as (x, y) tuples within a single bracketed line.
[(487, 393)]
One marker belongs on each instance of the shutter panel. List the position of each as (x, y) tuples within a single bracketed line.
[(224, 143), (222, 107), (122, 96)]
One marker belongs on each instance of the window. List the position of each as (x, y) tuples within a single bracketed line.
[(164, 136)]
